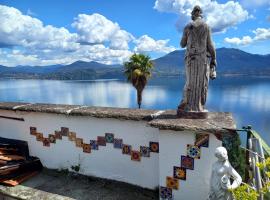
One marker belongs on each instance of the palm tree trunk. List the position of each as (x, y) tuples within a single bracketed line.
[(139, 98)]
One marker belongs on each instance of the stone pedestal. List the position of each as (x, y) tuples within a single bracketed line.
[(192, 115)]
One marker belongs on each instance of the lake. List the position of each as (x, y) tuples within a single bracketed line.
[(247, 98)]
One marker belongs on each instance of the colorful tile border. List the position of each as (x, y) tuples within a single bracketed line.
[(46, 142), (126, 149), (101, 140), (144, 151), (94, 144), (118, 143), (58, 135), (79, 142), (109, 137), (193, 151), (33, 130), (186, 163), (165, 193), (86, 148), (64, 131), (135, 155), (172, 183), (179, 173), (52, 138), (72, 136), (154, 147), (202, 140)]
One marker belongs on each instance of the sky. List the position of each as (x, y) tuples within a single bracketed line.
[(39, 33)]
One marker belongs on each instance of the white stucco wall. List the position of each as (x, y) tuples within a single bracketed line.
[(107, 162), (172, 145), (110, 163)]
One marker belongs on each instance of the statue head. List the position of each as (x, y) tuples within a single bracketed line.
[(221, 154), (196, 12)]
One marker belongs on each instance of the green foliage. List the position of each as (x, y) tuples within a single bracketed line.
[(63, 171), (246, 192), (139, 62), (76, 168), (138, 71), (235, 153)]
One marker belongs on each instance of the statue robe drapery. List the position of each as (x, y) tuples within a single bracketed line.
[(199, 48)]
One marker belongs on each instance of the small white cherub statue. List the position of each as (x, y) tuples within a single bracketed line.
[(222, 172)]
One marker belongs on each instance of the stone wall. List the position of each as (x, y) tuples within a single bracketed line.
[(149, 148)]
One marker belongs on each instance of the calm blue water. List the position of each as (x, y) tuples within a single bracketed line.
[(247, 98)]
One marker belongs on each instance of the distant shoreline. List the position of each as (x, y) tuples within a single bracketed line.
[(123, 78)]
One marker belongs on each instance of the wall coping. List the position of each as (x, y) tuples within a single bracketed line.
[(217, 122)]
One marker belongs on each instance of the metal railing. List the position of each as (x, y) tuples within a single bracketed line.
[(256, 150)]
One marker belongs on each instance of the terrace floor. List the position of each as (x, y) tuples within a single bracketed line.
[(55, 185)]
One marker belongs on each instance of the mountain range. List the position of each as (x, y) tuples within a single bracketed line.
[(230, 62)]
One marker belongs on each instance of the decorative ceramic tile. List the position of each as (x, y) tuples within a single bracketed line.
[(179, 173), (118, 143), (33, 130), (172, 183), (39, 137), (51, 138), (145, 151), (126, 149), (58, 135), (154, 147), (193, 151), (101, 141), (46, 142), (135, 155), (64, 131), (86, 148), (187, 162), (202, 140), (72, 136), (165, 193), (109, 137), (79, 142), (94, 144)]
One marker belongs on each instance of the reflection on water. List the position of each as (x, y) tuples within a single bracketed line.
[(247, 98)]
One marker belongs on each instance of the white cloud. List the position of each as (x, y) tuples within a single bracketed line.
[(15, 57), (148, 44), (219, 16), (24, 30), (237, 41), (260, 34), (25, 40), (96, 28)]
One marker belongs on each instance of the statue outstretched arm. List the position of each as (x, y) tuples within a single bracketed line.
[(237, 180), (183, 42)]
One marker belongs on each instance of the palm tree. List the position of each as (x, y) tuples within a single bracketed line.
[(138, 71)]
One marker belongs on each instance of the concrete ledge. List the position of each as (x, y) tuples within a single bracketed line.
[(79, 110), (217, 122), (118, 113)]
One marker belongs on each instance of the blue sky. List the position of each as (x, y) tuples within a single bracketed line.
[(52, 32)]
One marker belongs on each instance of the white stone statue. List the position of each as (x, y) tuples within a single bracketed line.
[(222, 172)]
